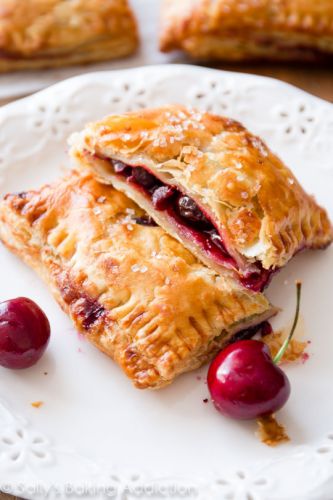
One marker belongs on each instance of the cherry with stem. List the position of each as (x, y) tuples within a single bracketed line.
[(245, 382)]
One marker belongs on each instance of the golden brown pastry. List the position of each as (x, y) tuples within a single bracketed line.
[(211, 184), (249, 29), (131, 289), (49, 33)]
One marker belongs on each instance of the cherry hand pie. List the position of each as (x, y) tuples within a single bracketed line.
[(249, 29), (49, 33), (211, 184), (129, 287)]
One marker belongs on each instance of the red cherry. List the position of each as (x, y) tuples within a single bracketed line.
[(244, 383), (24, 333)]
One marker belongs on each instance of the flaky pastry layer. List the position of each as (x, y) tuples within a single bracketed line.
[(131, 289)]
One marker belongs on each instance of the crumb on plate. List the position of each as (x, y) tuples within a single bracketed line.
[(270, 432), (37, 404), (295, 350)]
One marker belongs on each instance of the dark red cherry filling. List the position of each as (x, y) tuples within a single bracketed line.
[(189, 210), (190, 220), (120, 168), (162, 196), (262, 329), (145, 220), (140, 176)]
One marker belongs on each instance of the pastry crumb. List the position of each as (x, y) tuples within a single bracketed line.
[(270, 432), (37, 404), (295, 350)]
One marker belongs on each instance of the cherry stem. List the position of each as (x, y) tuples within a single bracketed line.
[(285, 344)]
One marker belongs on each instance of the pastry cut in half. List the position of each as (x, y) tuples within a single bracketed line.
[(130, 288), (49, 33), (235, 30), (211, 184)]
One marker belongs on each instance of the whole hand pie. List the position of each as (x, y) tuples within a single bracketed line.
[(130, 288), (211, 184), (249, 29), (48, 33)]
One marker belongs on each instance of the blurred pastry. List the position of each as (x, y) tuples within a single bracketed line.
[(50, 33), (235, 30)]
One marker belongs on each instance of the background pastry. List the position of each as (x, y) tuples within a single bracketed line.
[(130, 288), (211, 184), (48, 33), (249, 29)]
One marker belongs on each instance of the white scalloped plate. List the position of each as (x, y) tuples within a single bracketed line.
[(94, 428)]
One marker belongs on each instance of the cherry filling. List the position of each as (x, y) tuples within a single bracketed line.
[(189, 219), (263, 328)]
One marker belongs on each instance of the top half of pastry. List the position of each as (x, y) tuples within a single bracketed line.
[(209, 183), (46, 33), (249, 29)]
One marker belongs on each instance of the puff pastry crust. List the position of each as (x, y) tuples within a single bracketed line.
[(50, 33), (259, 212), (249, 29), (131, 289)]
